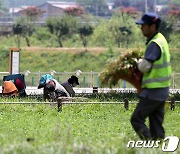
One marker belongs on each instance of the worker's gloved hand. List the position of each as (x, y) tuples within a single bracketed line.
[(144, 65)]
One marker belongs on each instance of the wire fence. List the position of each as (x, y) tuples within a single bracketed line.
[(123, 93), (83, 101), (86, 79)]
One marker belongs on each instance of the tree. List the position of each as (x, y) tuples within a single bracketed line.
[(166, 28), (75, 11), (123, 29), (173, 16), (22, 28), (102, 36), (61, 27), (126, 33), (84, 32), (174, 2), (17, 30), (131, 11), (32, 13), (25, 25), (174, 11), (96, 7)]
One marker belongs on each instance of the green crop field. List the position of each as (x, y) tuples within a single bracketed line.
[(40, 129)]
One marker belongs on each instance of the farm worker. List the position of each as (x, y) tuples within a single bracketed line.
[(9, 89), (54, 86), (156, 70), (65, 89), (69, 84), (50, 86)]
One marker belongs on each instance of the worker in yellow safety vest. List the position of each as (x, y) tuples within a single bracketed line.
[(156, 70)]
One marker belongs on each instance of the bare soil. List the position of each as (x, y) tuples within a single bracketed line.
[(70, 50)]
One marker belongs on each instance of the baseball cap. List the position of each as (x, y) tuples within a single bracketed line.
[(149, 18)]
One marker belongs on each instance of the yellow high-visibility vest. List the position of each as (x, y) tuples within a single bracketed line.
[(160, 74)]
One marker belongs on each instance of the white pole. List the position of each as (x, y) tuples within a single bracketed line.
[(155, 3), (145, 6)]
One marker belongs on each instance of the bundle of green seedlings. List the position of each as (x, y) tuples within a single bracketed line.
[(125, 68)]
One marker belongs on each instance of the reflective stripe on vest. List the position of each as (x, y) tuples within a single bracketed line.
[(160, 73), (157, 79), (161, 65)]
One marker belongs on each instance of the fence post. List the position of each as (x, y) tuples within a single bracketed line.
[(173, 80), (84, 81), (39, 75), (126, 104), (95, 90), (58, 79), (32, 81), (91, 79), (59, 103), (124, 86)]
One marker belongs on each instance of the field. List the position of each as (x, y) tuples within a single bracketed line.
[(96, 129), (27, 129)]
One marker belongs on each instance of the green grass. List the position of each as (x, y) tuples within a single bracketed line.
[(85, 61), (77, 129), (44, 60)]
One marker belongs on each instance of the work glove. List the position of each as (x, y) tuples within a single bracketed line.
[(144, 65)]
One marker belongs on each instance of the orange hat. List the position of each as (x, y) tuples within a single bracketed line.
[(9, 88)]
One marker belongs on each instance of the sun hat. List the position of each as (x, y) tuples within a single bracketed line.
[(74, 79), (9, 88)]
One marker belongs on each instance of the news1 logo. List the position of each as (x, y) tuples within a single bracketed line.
[(170, 144)]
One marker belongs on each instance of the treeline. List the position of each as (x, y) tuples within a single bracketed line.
[(119, 31), (75, 26)]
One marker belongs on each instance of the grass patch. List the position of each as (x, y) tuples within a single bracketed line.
[(77, 129), (44, 59)]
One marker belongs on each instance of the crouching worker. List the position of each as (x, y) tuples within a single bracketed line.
[(53, 89), (9, 89), (14, 84), (69, 84)]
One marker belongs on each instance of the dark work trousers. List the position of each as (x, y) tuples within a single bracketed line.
[(155, 111)]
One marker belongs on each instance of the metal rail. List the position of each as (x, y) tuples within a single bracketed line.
[(69, 100)]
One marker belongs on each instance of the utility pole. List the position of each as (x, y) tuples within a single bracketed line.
[(145, 6), (96, 7), (155, 3)]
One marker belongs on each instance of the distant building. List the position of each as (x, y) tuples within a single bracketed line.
[(50, 9), (54, 9), (16, 12)]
